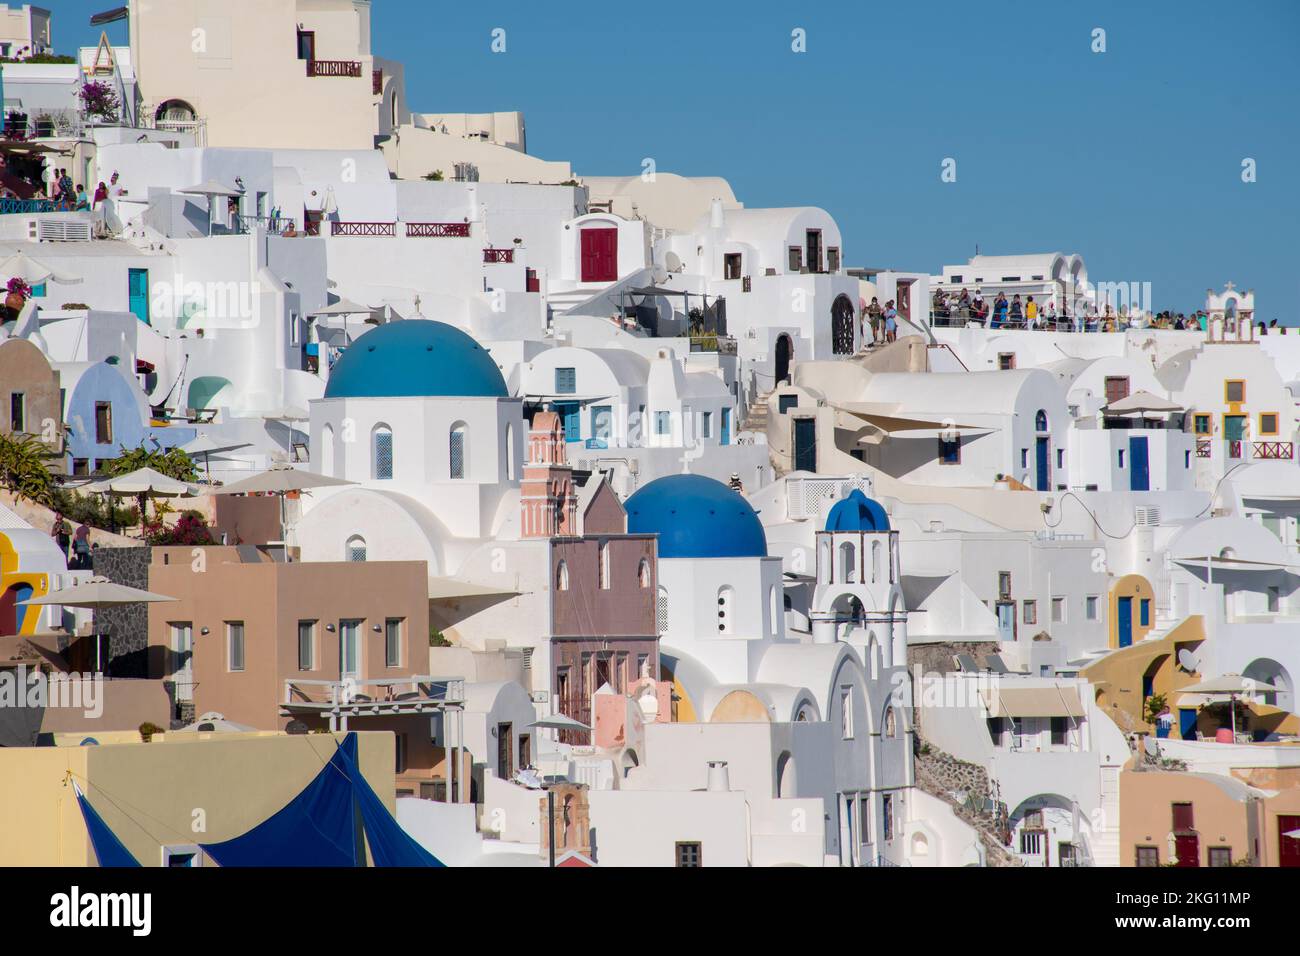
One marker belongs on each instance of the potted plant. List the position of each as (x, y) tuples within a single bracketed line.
[(18, 291), (148, 729), (99, 101)]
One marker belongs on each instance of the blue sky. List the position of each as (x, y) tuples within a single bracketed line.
[(1131, 157)]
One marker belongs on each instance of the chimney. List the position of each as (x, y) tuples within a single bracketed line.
[(715, 214), (719, 777)]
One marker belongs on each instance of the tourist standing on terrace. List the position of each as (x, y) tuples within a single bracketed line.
[(874, 314), (891, 321), (1031, 312), (999, 312), (60, 533)]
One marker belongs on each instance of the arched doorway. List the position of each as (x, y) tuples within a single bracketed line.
[(784, 352), (10, 613), (842, 325), (785, 778), (1042, 453)]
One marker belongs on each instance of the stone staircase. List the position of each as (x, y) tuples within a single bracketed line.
[(756, 414), (944, 776)]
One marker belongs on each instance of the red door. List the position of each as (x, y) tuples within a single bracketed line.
[(1188, 848), (599, 255), (9, 611), (1288, 847)]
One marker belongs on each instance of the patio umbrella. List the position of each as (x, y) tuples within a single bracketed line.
[(559, 722), (1232, 685), (211, 190), (205, 445), (344, 308), (1141, 402), (142, 484), (22, 266), (96, 593), (280, 479)]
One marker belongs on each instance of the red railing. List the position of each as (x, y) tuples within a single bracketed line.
[(376, 81), (357, 229), (437, 230), (498, 255), (1274, 449), (1234, 448), (333, 68), (1202, 448)]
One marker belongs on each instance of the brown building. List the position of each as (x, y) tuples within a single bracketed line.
[(266, 643), (30, 402)]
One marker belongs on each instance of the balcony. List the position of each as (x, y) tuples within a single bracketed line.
[(19, 207), (1278, 450), (1203, 448), (334, 68), (498, 255), (437, 230), (376, 82), (358, 230)]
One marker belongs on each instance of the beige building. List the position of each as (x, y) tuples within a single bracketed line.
[(24, 30), (277, 74), (165, 797)]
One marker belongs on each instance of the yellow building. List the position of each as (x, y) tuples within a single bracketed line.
[(29, 565)]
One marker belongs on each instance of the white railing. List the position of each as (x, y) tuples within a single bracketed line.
[(804, 496)]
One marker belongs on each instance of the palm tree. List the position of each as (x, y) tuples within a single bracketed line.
[(24, 468)]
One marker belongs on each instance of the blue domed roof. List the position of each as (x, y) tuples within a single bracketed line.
[(696, 517), (857, 512), (415, 357)]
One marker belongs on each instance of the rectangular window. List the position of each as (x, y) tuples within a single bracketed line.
[(796, 258), (1268, 423), (1060, 460), (1024, 458), (566, 381), (350, 648), (1029, 610), (17, 412), (1060, 731), (458, 453), (1006, 361), (706, 424), (1202, 424), (786, 402), (393, 642), (1148, 856), (950, 451), (832, 259), (887, 815), (235, 645), (663, 423), (1182, 818), (731, 265), (306, 645), (1090, 607), (846, 712), (604, 566), (383, 454), (1144, 612), (1004, 584), (1058, 610), (689, 854), (1187, 459), (1234, 392), (1120, 454), (1116, 388), (103, 423), (1220, 856), (293, 328)]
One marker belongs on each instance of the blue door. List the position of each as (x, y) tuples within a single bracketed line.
[(1044, 451), (1139, 473), (805, 444), (137, 285), (570, 414), (1187, 723), (725, 435), (1006, 621), (1124, 611)]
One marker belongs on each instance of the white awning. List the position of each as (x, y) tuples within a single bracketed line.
[(1054, 701)]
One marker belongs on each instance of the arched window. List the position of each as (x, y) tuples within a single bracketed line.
[(1040, 421), (356, 549), (848, 563), (643, 573), (891, 723), (327, 451), (875, 561), (458, 449), (562, 576), (773, 610), (824, 570), (661, 610), (510, 452), (381, 453), (726, 602)]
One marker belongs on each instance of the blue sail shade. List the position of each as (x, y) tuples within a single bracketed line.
[(109, 850), (322, 826)]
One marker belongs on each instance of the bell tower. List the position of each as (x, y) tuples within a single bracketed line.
[(548, 499)]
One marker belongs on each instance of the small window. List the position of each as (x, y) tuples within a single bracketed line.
[(796, 258), (643, 573), (456, 450), (1120, 455), (832, 259), (356, 549), (1024, 458), (566, 381), (399, 755), (1060, 461), (690, 854), (235, 645), (995, 726), (306, 645), (786, 402), (1148, 856), (1060, 731), (891, 723), (603, 566), (950, 451), (1029, 611), (1234, 392), (393, 642), (1220, 856), (887, 815), (562, 576), (1090, 607), (731, 265), (383, 453), (846, 712), (1058, 610), (1183, 820), (1004, 584), (1144, 612), (103, 423), (17, 412), (663, 423), (1006, 361), (1187, 459), (706, 424), (1268, 423), (1202, 424)]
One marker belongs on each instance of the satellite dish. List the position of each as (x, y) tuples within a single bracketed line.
[(673, 262), (1188, 661)]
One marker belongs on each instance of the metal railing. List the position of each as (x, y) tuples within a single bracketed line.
[(498, 255), (437, 230), (376, 82), (1274, 450), (360, 229), (18, 207), (334, 68)]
